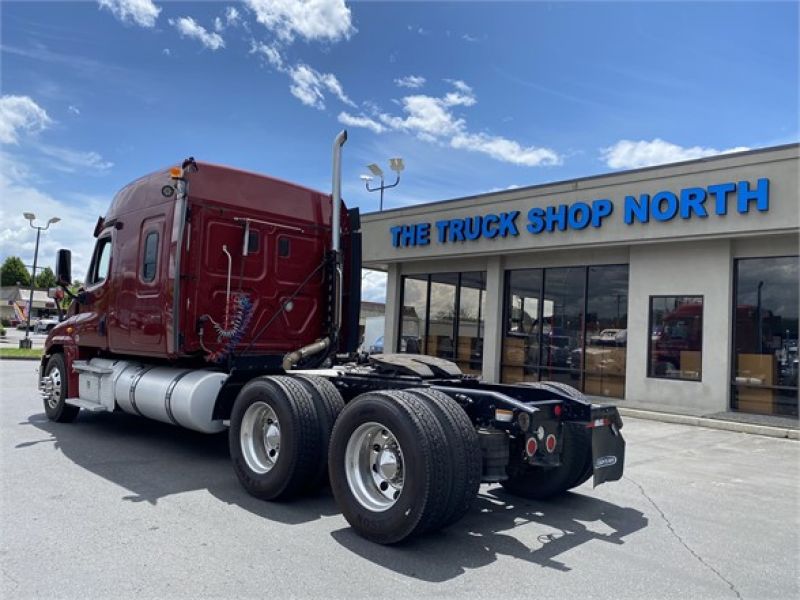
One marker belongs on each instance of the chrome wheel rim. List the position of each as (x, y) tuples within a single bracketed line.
[(55, 388), (260, 437), (374, 467)]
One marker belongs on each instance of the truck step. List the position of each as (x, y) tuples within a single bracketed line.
[(86, 405), (82, 366)]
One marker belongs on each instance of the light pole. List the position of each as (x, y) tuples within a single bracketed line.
[(27, 343), (395, 164)]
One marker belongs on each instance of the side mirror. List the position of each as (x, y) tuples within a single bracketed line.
[(64, 267)]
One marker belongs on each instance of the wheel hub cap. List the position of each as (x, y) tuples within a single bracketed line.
[(374, 466), (260, 437)]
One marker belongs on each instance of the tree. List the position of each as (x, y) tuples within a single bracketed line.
[(46, 279), (13, 271)]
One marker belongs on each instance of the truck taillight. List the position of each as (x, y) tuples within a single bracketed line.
[(550, 443), (557, 410), (598, 423), (531, 446)]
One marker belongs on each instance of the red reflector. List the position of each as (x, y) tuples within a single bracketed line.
[(557, 410), (550, 443), (531, 446)]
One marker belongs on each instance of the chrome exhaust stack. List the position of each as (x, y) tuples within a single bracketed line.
[(292, 358), (336, 232)]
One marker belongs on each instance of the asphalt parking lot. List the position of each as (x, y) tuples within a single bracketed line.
[(116, 506)]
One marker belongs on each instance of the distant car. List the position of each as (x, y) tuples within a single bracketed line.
[(408, 344), (44, 325), (377, 347)]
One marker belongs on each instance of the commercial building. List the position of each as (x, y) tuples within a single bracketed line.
[(673, 286), (14, 302)]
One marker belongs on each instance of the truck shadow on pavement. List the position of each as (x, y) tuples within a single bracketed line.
[(500, 524), (154, 460)]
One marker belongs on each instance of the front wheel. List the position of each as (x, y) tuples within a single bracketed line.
[(54, 391)]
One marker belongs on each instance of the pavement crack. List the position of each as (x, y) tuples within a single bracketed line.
[(682, 542)]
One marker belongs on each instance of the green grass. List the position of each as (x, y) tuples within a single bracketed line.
[(20, 353)]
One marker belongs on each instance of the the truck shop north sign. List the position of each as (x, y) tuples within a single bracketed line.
[(688, 203)]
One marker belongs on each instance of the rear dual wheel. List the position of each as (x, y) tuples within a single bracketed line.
[(402, 463), (279, 433)]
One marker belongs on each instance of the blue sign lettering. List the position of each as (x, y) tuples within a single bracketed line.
[(663, 206)]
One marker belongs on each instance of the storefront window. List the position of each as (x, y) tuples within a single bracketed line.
[(520, 358), (562, 324), (606, 331), (472, 306), (568, 325), (415, 315), (676, 337), (765, 336), (443, 316)]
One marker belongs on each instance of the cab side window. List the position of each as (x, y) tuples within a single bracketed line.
[(150, 257), (98, 272)]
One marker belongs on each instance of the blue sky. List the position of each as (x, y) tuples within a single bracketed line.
[(474, 96)]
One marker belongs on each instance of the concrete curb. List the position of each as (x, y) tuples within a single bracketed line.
[(36, 358), (776, 432)]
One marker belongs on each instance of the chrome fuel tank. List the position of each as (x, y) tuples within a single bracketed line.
[(183, 397)]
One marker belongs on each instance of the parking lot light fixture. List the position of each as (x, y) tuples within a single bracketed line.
[(26, 342), (395, 164)]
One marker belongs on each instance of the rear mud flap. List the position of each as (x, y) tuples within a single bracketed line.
[(608, 454)]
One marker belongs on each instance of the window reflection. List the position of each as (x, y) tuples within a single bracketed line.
[(676, 337), (520, 357), (562, 323), (415, 313), (606, 331), (442, 315), (765, 335), (548, 336), (472, 306)]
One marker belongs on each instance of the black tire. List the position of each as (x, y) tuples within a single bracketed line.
[(56, 408), (425, 461), (299, 451), (328, 403), (465, 453), (540, 483)]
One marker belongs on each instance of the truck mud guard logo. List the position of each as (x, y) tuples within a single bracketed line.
[(605, 461)]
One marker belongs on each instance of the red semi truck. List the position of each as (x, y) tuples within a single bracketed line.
[(220, 299)]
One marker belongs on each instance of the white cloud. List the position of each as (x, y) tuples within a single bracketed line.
[(218, 25), (629, 154), (71, 161), (74, 110), (410, 81), (432, 119), (74, 231), (190, 28), (312, 20), (270, 53), (141, 12), (469, 38), (361, 121), (428, 116), (505, 150), (232, 16), (166, 52), (309, 86), (20, 113)]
